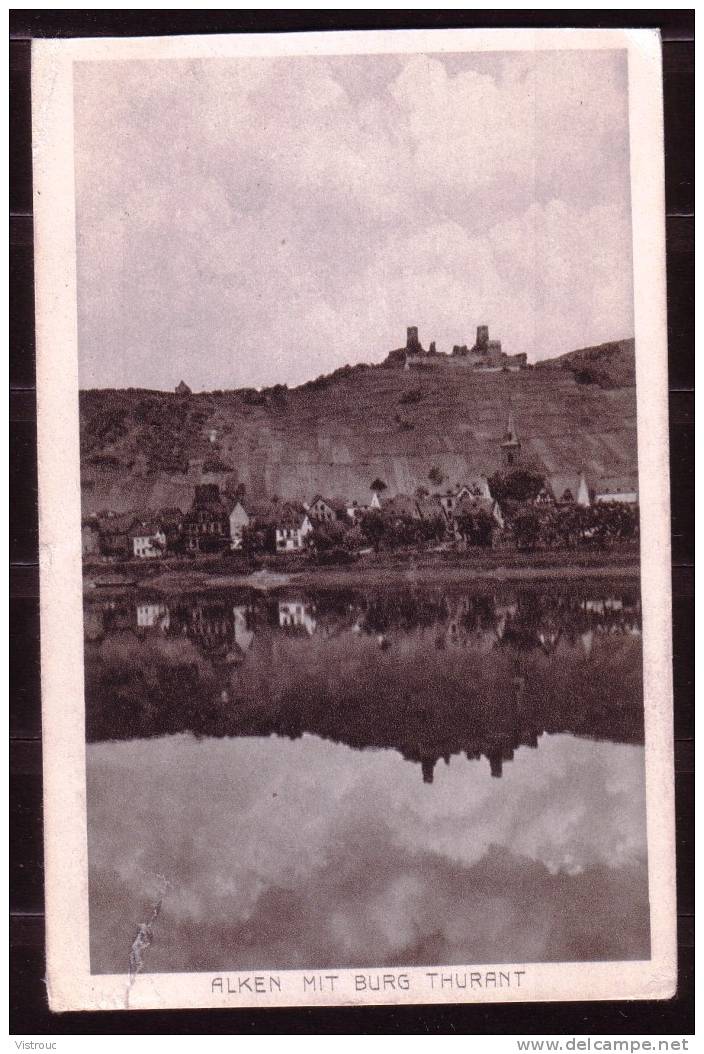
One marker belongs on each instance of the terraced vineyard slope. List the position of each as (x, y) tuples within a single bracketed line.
[(148, 449)]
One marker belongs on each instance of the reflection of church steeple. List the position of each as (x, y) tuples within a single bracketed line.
[(496, 763), (428, 765)]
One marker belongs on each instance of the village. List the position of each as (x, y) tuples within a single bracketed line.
[(517, 507)]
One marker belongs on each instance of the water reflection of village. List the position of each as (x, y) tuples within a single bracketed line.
[(428, 673)]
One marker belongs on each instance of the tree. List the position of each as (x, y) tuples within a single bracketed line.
[(518, 484), (378, 485), (373, 527), (476, 526), (436, 475), (258, 540), (403, 530), (177, 543), (325, 536), (526, 528), (421, 492), (353, 538), (484, 526), (211, 543), (432, 528)]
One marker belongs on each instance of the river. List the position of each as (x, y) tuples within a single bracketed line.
[(338, 778)]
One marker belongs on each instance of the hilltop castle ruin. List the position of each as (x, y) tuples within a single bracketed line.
[(485, 354)]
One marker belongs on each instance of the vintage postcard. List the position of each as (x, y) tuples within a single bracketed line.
[(354, 505)]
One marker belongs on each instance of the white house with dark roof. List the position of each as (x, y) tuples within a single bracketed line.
[(293, 526), (478, 486), (326, 510), (616, 489), (297, 615), (450, 497), (147, 540), (150, 615)]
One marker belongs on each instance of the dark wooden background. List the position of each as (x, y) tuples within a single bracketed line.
[(29, 1010)]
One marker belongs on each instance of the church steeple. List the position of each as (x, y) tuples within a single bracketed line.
[(511, 444)]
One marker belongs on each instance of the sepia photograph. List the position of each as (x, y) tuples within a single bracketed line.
[(352, 388)]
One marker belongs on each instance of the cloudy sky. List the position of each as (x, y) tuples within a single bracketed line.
[(253, 221)]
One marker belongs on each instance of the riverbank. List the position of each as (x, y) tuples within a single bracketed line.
[(371, 569)]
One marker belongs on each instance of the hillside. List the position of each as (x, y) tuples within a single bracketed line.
[(610, 365), (145, 449)]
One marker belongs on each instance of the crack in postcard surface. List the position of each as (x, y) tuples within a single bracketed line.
[(143, 940)]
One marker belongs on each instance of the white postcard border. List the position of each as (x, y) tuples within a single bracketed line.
[(70, 984)]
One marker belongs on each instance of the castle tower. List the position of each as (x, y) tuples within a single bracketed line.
[(510, 445), (412, 342), (482, 337)]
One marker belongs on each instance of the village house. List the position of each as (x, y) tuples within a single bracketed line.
[(262, 513), (448, 499), (292, 527), (565, 489), (261, 517), (616, 489), (327, 510), (151, 615), (115, 528), (90, 537), (355, 511), (400, 506), (295, 616), (477, 486), (239, 519), (207, 524), (431, 507), (147, 540)]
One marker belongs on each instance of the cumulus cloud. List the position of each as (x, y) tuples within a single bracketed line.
[(259, 220)]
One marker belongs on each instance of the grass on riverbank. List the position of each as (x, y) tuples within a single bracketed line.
[(271, 571)]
